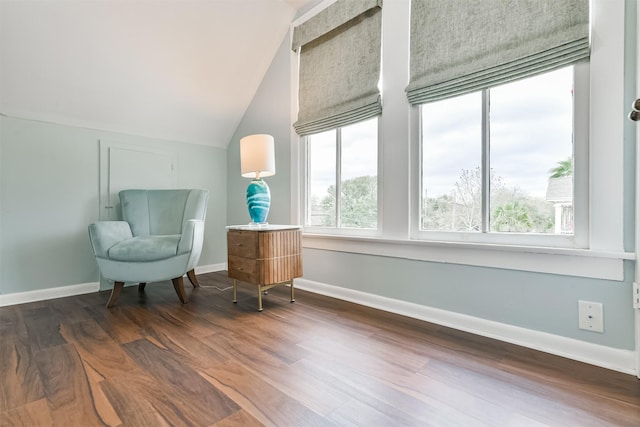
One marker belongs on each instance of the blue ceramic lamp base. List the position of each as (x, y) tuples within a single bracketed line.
[(258, 201)]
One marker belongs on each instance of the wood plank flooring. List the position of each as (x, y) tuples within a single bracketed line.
[(151, 361)]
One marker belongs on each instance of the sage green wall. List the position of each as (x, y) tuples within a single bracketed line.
[(268, 113), (542, 302), (49, 194)]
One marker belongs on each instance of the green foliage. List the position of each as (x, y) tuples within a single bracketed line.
[(358, 204), (564, 168), (512, 209), (512, 216)]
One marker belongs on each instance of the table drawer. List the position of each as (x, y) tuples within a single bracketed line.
[(281, 269), (243, 269), (242, 244)]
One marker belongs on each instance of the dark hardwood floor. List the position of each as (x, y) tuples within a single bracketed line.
[(151, 361)]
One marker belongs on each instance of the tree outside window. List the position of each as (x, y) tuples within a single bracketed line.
[(530, 127), (342, 188)]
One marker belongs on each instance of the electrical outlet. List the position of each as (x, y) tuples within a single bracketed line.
[(590, 316)]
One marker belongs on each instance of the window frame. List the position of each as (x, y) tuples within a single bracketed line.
[(578, 239), (606, 249), (305, 172)]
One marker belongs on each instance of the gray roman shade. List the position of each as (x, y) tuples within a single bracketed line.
[(339, 66), (461, 46)]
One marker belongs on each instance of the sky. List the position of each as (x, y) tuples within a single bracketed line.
[(531, 123), (531, 126), (359, 155)]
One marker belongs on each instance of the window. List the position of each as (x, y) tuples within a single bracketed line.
[(600, 178), (342, 178), (501, 160), (339, 101)]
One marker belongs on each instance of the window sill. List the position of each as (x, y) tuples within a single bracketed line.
[(563, 261)]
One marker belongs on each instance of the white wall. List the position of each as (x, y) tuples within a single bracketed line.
[(268, 113), (178, 70)]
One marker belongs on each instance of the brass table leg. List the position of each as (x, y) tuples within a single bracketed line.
[(263, 289), (235, 290), (259, 298)]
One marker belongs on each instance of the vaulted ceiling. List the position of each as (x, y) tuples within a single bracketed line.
[(183, 70)]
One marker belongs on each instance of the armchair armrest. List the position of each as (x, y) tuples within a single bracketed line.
[(192, 236), (105, 234)]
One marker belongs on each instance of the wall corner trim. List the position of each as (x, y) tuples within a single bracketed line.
[(606, 357)]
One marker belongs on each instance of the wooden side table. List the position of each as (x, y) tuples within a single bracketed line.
[(264, 255)]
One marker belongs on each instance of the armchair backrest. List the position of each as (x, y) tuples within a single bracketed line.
[(161, 212)]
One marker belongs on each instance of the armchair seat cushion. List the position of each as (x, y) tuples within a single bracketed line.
[(145, 248)]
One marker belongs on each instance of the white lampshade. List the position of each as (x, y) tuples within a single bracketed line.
[(257, 156)]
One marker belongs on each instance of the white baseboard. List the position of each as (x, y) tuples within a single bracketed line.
[(594, 354), (606, 357), (211, 268), (83, 288), (50, 293)]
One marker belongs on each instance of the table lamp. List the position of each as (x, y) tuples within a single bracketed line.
[(258, 160)]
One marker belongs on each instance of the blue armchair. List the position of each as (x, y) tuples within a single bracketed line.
[(159, 238)]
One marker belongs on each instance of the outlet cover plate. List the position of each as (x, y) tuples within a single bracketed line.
[(590, 317)]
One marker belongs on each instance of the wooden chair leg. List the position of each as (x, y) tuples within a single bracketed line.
[(178, 285), (115, 293), (141, 287), (191, 274)]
